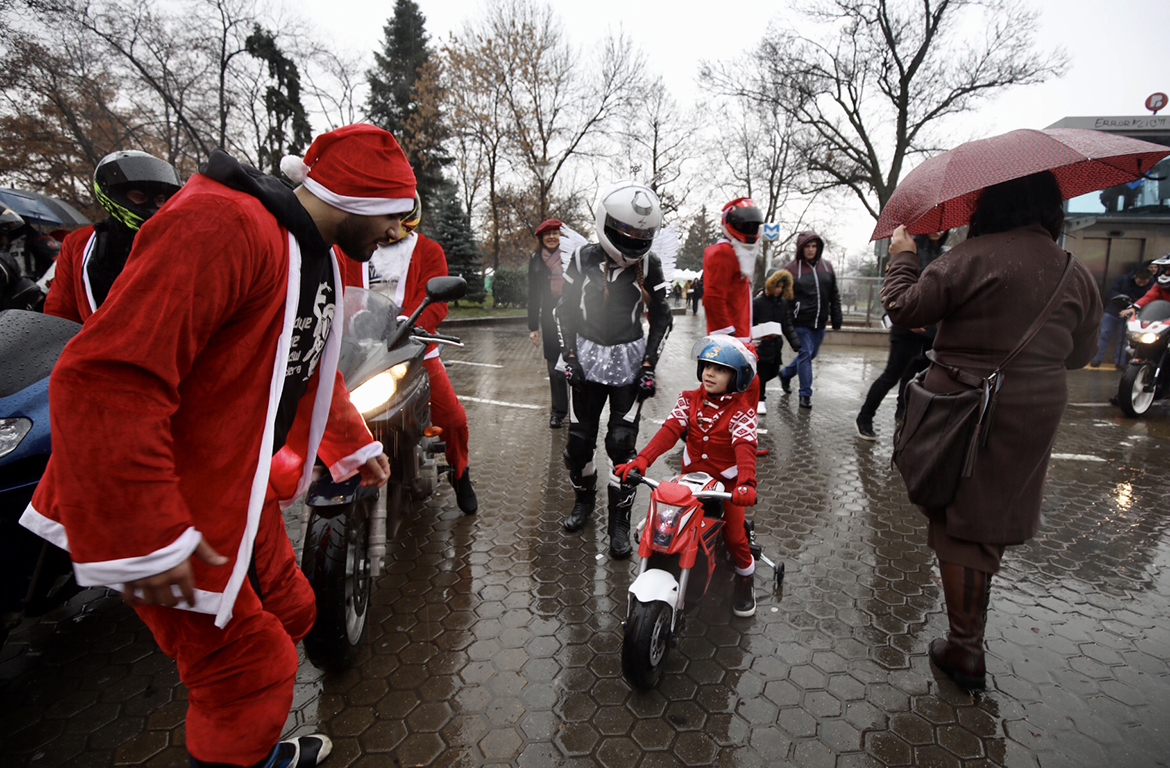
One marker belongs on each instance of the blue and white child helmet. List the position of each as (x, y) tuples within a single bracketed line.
[(728, 352)]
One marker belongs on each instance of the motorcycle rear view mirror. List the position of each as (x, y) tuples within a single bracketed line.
[(446, 288)]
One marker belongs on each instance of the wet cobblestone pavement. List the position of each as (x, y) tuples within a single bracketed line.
[(495, 639)]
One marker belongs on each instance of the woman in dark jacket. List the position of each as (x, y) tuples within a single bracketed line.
[(984, 294), (544, 291), (771, 317), (816, 304)]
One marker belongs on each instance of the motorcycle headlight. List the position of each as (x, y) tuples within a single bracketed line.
[(1147, 338), (376, 392), (665, 524), (12, 431)]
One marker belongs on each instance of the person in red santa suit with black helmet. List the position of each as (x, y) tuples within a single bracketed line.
[(169, 405), (402, 269), (728, 268)]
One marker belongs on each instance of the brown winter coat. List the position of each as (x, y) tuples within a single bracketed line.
[(984, 294)]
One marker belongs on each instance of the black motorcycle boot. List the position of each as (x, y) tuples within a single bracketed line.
[(621, 500), (744, 600), (464, 492), (585, 489)]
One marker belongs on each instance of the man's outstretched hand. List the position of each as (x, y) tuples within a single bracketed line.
[(159, 589), (376, 471)]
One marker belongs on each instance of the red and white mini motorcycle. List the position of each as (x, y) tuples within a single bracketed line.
[(678, 528)]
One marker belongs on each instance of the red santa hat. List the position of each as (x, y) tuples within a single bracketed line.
[(358, 168)]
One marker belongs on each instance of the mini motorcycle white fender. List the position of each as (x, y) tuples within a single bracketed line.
[(656, 584)]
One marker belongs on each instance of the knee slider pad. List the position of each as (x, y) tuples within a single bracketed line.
[(620, 444)]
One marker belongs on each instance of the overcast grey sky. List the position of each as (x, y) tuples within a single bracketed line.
[(1118, 50)]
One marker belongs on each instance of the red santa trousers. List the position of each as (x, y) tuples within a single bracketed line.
[(735, 537), (240, 679), (448, 415)]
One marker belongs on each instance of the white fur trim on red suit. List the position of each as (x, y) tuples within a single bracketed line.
[(325, 383), (264, 462), (85, 256), (343, 469), (132, 568), (362, 206), (49, 530)]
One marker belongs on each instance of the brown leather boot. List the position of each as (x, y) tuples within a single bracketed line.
[(960, 655)]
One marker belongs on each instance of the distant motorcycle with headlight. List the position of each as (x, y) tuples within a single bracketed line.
[(347, 530), (1146, 378)]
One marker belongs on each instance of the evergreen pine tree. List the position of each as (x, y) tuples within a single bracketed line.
[(405, 96), (701, 233), (448, 224), (288, 131)]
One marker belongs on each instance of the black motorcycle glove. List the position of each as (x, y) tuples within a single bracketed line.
[(646, 383), (574, 373)]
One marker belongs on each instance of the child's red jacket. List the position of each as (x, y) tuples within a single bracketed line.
[(720, 435)]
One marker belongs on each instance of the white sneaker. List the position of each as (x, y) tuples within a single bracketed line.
[(761, 408)]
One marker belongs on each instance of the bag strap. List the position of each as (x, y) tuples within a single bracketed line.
[(970, 380)]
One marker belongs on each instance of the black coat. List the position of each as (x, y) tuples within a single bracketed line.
[(541, 304), (815, 285), (773, 309)]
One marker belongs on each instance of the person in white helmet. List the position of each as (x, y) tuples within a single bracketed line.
[(608, 287)]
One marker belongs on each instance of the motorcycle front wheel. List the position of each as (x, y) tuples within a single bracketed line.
[(336, 562), (1136, 393), (646, 643)]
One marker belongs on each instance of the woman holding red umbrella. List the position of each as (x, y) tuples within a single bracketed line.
[(984, 294)]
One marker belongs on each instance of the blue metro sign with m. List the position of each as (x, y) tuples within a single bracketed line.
[(771, 231)]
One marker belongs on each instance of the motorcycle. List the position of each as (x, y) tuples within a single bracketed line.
[(347, 530), (683, 521), (35, 576), (1147, 377)]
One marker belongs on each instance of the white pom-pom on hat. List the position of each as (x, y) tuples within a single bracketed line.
[(294, 167)]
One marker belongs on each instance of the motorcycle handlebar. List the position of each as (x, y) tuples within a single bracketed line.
[(439, 338), (637, 478)]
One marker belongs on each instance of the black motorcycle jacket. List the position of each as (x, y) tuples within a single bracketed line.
[(604, 303)]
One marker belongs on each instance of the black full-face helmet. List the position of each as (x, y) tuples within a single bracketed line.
[(132, 185)]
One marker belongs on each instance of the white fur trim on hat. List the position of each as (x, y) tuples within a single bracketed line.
[(362, 206), (294, 167)]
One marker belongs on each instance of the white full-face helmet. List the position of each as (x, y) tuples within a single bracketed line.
[(628, 216)]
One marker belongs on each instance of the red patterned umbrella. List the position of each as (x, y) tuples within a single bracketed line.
[(940, 194)]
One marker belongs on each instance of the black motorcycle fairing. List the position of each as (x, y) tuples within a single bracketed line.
[(30, 344)]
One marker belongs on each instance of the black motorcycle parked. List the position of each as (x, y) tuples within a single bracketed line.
[(35, 576), (345, 540), (1147, 377)]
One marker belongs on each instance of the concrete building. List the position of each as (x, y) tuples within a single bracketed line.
[(1114, 229)]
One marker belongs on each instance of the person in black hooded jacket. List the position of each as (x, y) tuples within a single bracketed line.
[(816, 303)]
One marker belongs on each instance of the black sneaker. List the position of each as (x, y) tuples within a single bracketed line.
[(302, 752), (464, 492), (744, 601), (556, 420), (865, 429), (785, 384), (805, 402)]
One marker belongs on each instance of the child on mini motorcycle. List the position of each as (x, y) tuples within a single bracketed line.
[(719, 422)]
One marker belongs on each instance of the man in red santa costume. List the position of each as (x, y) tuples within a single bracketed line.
[(217, 345), (402, 269), (728, 267)]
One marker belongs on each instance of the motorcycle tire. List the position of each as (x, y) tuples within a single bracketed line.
[(336, 562), (646, 643), (1136, 393)]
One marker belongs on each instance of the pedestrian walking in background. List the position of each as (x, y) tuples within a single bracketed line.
[(1124, 291), (545, 281), (609, 287), (696, 294), (772, 315), (984, 294), (908, 348), (817, 303)]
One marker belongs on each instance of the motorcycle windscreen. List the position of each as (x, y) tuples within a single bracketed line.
[(1155, 311), (370, 318)]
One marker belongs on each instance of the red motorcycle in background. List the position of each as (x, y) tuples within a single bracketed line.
[(676, 544)]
